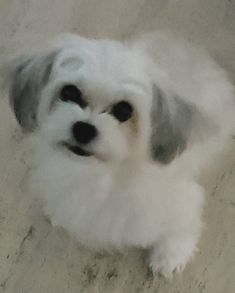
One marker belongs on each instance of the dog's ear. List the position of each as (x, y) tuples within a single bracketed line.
[(171, 123), (27, 77)]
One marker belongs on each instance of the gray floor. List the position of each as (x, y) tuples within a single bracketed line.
[(34, 257)]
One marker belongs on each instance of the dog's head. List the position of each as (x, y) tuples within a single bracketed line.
[(97, 99)]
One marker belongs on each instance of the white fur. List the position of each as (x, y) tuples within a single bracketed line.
[(120, 196)]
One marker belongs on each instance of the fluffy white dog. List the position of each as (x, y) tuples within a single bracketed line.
[(120, 131)]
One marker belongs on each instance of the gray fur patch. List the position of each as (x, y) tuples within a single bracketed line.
[(170, 128), (29, 77)]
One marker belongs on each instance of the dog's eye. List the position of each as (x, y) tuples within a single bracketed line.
[(122, 111), (70, 93)]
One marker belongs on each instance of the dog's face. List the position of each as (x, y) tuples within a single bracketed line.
[(96, 100), (92, 99)]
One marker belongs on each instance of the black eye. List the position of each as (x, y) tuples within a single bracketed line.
[(70, 93), (122, 111)]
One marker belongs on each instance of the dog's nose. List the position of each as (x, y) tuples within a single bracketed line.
[(84, 132)]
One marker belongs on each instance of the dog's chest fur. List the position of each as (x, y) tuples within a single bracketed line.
[(106, 208)]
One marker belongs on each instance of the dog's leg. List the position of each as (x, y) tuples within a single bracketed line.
[(177, 244), (172, 254)]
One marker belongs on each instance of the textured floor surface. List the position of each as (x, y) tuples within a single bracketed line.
[(34, 257)]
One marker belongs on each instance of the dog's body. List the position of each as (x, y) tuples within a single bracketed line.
[(156, 111)]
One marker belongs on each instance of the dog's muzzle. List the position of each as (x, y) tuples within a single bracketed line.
[(83, 133)]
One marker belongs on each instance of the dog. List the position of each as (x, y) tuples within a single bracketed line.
[(121, 132)]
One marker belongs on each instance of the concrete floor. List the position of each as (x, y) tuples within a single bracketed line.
[(34, 257)]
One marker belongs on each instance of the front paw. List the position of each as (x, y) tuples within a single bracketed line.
[(166, 259)]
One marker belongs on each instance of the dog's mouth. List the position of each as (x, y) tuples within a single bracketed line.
[(77, 150)]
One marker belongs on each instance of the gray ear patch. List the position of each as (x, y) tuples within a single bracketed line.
[(27, 80), (170, 127)]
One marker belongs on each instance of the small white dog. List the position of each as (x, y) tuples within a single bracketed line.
[(121, 130)]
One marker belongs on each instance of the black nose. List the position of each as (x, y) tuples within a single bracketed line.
[(84, 132)]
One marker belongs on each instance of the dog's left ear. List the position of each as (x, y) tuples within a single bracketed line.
[(171, 123), (27, 77)]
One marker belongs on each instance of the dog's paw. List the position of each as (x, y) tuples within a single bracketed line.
[(166, 265), (169, 259)]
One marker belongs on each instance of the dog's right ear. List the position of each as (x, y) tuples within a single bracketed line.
[(25, 79)]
